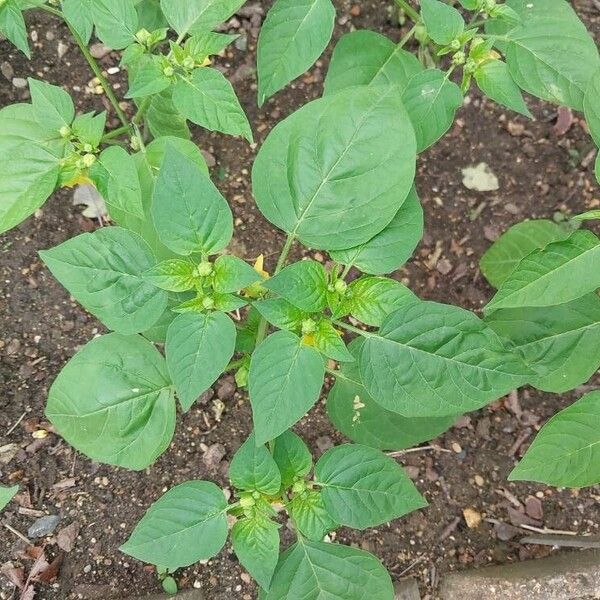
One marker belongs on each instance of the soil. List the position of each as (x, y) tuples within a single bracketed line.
[(542, 170)]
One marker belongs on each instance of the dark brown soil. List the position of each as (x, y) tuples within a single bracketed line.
[(541, 171)]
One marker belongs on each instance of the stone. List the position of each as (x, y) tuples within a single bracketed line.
[(19, 82), (565, 576), (407, 589), (99, 50), (480, 178), (7, 70), (43, 526)]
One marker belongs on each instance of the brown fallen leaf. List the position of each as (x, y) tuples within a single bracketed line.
[(564, 120), (16, 575), (65, 538)]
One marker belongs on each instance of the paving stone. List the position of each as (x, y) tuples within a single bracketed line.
[(407, 589), (566, 576)]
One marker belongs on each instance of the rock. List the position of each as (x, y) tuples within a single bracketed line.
[(324, 443), (99, 50), (213, 456), (412, 471), (7, 70), (241, 43), (480, 178), (43, 526), (560, 577), (407, 589), (533, 507), (472, 518), (226, 388), (19, 82), (209, 158)]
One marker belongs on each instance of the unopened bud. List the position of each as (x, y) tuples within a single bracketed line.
[(247, 502), (89, 160), (189, 62), (208, 303), (168, 71), (459, 58), (64, 131), (205, 269), (308, 326), (340, 286)]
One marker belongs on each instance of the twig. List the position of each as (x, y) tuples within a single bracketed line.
[(418, 449), (18, 534), (411, 566), (542, 530), (580, 541), (16, 424)]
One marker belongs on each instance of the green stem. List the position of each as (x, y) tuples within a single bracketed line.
[(352, 329), (409, 10), (346, 270), (234, 364), (407, 37), (115, 133)]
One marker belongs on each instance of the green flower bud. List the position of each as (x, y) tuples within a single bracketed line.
[(88, 148), (169, 71), (340, 286), (247, 501), (459, 58), (189, 62), (142, 36), (89, 160), (455, 45), (299, 486), (308, 326), (205, 269), (64, 131), (208, 303)]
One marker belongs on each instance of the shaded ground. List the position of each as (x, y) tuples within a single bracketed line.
[(541, 171)]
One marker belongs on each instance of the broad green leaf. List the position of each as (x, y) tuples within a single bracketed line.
[(552, 56), (114, 402), (314, 178), (293, 36), (156, 150), (311, 516), (597, 168), (369, 58), (12, 25), (198, 348), (354, 413), (116, 22), (494, 80), (317, 570), (197, 16), (189, 212), (566, 451), (435, 360), (516, 243), (371, 299), (254, 469), (304, 284), (79, 13), (148, 79), (284, 383), (6, 495), (281, 313), (208, 99), (232, 274), (362, 487), (150, 15), (591, 106), (431, 101), (558, 273), (205, 44), (174, 275), (52, 106), (229, 302), (115, 176), (292, 457), (89, 128), (104, 272), (158, 332), (391, 247), (28, 175), (560, 343), (443, 22), (164, 119), (256, 544), (329, 342), (184, 526)]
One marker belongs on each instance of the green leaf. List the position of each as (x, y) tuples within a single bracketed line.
[(311, 516), (362, 487), (552, 56), (435, 360), (443, 22), (317, 570), (6, 495), (329, 342), (566, 451), (372, 299), (369, 58), (516, 243), (281, 313), (560, 343), (52, 106), (113, 401), (104, 272), (209, 100), (12, 25), (116, 22), (199, 348), (391, 247), (558, 273), (184, 526), (164, 119), (494, 80), (254, 469), (229, 302), (79, 13), (205, 44), (189, 212), (233, 274), (292, 456), (431, 101), (354, 412), (150, 15), (591, 106), (597, 168), (156, 151), (197, 16), (284, 383), (115, 176), (174, 275), (293, 36), (148, 79), (256, 544), (304, 284), (28, 175), (89, 128), (314, 179)]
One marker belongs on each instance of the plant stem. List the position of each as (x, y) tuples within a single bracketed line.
[(234, 364), (409, 10), (352, 329), (346, 271), (115, 133), (407, 37)]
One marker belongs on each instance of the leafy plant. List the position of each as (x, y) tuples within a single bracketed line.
[(337, 175)]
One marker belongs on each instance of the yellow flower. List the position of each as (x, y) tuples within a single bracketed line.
[(79, 179), (259, 267)]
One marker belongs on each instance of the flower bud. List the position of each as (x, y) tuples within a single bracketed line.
[(168, 71), (208, 303), (205, 269), (64, 131), (308, 326), (340, 286)]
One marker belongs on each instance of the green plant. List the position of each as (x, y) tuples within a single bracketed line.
[(337, 175)]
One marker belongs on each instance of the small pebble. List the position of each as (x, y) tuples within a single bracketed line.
[(7, 70), (43, 526), (456, 447), (19, 82)]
